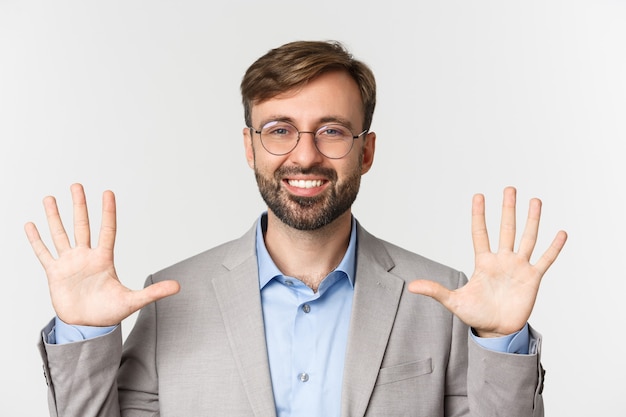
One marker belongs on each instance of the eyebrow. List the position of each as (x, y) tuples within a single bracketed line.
[(326, 119)]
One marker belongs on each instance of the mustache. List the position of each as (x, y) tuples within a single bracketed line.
[(328, 173)]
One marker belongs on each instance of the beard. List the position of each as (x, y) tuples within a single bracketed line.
[(309, 213)]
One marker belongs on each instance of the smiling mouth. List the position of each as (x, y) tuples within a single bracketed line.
[(305, 183)]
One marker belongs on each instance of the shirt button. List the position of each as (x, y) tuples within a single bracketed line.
[(303, 377), (289, 283), (306, 308)]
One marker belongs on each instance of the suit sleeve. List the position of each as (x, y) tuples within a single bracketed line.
[(82, 376), (505, 383)]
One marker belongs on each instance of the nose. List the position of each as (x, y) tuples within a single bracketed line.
[(306, 154)]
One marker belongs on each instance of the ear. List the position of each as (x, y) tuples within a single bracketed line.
[(369, 147), (247, 143)]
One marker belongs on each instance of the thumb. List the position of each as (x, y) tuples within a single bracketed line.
[(155, 292), (431, 289)]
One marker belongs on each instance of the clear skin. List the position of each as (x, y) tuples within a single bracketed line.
[(497, 301)]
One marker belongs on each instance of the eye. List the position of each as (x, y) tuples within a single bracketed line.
[(333, 132), (278, 129)]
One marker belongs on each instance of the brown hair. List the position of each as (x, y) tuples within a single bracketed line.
[(295, 63)]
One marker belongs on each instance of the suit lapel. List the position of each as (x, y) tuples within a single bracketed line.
[(376, 297), (239, 300)]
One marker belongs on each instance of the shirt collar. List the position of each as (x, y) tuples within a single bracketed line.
[(268, 269)]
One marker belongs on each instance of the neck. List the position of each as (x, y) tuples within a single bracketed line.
[(308, 255)]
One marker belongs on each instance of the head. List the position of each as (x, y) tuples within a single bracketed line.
[(309, 84)]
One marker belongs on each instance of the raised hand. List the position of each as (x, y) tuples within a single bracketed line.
[(84, 286), (500, 295)]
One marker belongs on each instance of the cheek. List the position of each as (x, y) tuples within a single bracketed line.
[(351, 168), (266, 164)]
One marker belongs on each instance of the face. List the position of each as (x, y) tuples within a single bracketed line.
[(304, 189)]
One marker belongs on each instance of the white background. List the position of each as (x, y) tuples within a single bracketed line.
[(142, 97)]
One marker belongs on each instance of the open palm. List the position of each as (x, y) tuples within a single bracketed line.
[(84, 286), (501, 293)]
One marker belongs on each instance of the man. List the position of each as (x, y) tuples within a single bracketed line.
[(307, 314)]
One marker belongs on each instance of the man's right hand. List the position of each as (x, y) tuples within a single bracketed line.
[(84, 286)]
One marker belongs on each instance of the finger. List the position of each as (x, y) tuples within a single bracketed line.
[(57, 231), (82, 234), (507, 222), (480, 237), (529, 237), (108, 228), (154, 292), (432, 289), (40, 248), (550, 255)]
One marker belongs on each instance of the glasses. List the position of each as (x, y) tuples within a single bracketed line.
[(333, 140)]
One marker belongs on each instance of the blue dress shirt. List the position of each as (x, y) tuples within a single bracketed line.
[(306, 333)]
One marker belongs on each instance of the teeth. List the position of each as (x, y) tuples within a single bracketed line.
[(305, 183)]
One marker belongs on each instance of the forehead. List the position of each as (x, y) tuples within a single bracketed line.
[(332, 94)]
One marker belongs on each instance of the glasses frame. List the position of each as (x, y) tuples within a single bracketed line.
[(314, 133)]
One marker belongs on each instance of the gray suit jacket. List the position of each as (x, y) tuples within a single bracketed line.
[(202, 352)]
